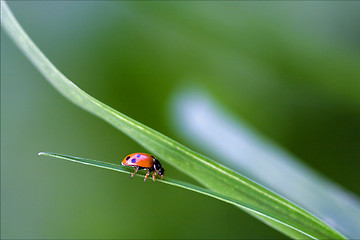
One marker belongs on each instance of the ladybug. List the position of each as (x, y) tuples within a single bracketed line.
[(144, 161)]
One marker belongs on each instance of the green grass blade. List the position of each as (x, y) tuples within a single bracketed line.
[(224, 181), (180, 184)]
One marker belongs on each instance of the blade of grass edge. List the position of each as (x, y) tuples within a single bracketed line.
[(215, 176), (176, 183)]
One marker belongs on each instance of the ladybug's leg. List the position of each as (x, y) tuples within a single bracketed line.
[(147, 174), (136, 169), (154, 175)]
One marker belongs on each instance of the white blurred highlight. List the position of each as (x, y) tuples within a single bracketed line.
[(234, 144)]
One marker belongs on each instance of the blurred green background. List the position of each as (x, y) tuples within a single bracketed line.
[(290, 69)]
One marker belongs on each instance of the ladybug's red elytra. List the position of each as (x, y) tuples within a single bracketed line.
[(144, 161)]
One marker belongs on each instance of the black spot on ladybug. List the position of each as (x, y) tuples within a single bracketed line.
[(127, 158), (133, 160), (138, 155)]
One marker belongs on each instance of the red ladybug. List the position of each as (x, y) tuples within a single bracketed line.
[(144, 161)]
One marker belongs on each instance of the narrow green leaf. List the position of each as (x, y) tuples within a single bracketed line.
[(280, 213), (180, 184), (166, 180)]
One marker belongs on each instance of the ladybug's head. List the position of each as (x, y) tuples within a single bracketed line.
[(161, 172), (159, 168)]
